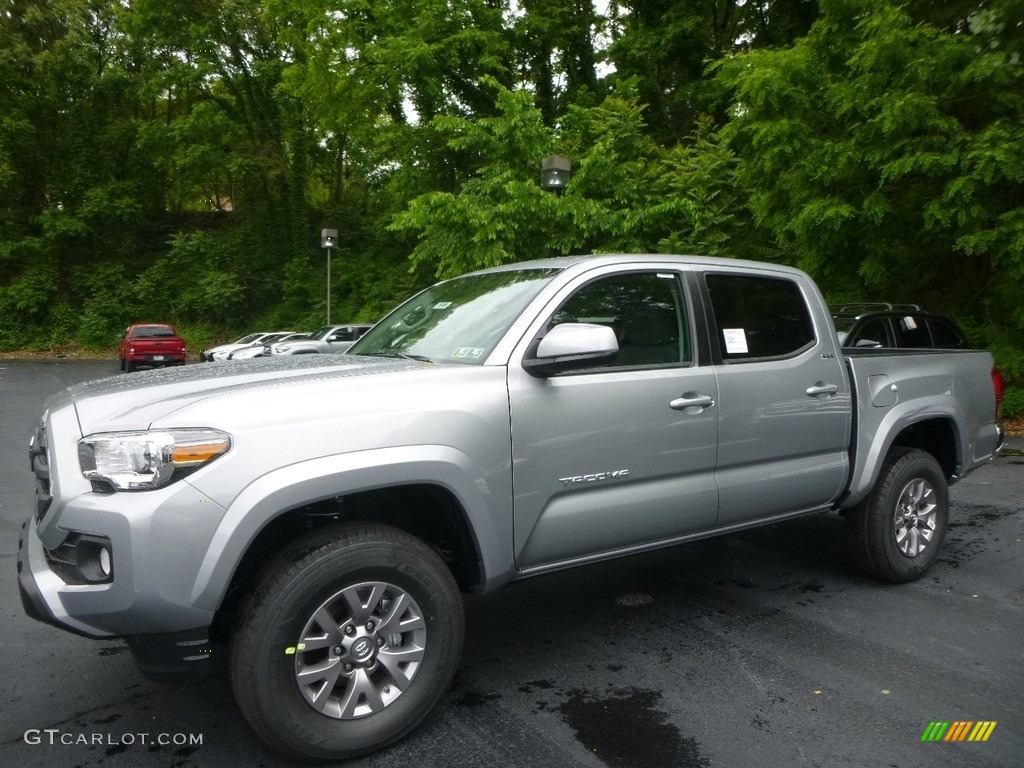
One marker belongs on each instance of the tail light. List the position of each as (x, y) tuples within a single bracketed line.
[(997, 385)]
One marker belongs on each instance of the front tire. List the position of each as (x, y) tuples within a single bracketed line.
[(350, 637), (896, 532)]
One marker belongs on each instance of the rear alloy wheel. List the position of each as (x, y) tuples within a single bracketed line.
[(896, 532), (348, 640)]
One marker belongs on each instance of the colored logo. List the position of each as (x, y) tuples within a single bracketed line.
[(958, 730)]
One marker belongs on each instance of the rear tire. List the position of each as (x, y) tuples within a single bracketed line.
[(349, 638), (129, 366), (896, 532)]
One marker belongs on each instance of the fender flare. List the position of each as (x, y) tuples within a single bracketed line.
[(870, 454), (326, 477)]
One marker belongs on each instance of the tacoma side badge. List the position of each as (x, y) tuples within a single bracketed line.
[(593, 478)]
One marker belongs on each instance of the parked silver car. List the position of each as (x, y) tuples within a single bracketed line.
[(326, 340)]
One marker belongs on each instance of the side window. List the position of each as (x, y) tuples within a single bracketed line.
[(875, 332), (646, 311), (944, 335), (759, 316), (912, 331)]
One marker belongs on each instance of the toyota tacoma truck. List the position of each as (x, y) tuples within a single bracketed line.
[(313, 520)]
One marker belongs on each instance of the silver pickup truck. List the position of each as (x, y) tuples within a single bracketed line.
[(313, 520)]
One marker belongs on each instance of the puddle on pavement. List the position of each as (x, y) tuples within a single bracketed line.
[(626, 729)]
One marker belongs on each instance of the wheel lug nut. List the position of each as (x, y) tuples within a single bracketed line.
[(349, 629), (348, 667), (338, 650), (369, 626), (380, 642)]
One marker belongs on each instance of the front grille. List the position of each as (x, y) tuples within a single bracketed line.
[(41, 469)]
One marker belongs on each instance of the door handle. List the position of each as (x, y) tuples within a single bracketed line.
[(822, 388), (691, 400)]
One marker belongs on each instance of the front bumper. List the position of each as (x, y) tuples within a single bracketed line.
[(36, 580), (166, 657), (157, 541)]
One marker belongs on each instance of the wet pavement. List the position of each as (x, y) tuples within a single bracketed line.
[(766, 648)]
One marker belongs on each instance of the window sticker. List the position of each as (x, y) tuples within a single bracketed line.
[(442, 305), (468, 353), (735, 341)]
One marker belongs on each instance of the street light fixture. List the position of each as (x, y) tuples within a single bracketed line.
[(328, 239), (554, 173)]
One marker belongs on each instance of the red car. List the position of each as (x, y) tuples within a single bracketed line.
[(151, 344)]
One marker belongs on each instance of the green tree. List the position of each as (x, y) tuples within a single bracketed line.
[(888, 157), (615, 200)]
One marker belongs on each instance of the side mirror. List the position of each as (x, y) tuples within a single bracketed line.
[(572, 346)]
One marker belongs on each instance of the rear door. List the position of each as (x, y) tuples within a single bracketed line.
[(622, 455), (785, 407)]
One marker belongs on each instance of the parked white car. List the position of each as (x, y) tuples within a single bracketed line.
[(263, 349), (220, 354), (326, 340)]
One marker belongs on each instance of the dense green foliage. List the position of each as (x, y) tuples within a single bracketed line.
[(176, 161)]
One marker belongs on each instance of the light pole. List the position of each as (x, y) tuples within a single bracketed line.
[(554, 173), (328, 237)]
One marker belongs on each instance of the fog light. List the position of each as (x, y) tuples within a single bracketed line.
[(95, 563)]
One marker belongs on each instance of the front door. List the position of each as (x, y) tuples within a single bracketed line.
[(623, 455)]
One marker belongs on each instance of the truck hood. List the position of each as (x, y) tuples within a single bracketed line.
[(135, 401)]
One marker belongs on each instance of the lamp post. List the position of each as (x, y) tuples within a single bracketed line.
[(328, 237), (554, 173)]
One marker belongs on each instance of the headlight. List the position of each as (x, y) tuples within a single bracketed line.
[(142, 461)]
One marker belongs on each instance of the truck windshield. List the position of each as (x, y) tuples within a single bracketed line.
[(457, 321)]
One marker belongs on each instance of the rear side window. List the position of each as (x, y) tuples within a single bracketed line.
[(944, 335), (758, 317), (912, 332)]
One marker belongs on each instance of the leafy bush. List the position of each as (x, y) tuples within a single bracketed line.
[(1013, 402)]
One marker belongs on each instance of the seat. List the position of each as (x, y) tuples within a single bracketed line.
[(649, 337)]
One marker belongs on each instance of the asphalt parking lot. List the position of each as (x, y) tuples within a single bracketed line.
[(766, 648)]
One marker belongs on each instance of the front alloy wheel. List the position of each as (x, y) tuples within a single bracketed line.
[(348, 639), (360, 650)]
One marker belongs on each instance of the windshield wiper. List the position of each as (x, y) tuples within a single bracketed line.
[(405, 356)]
